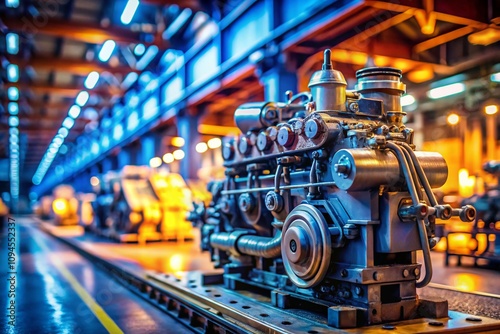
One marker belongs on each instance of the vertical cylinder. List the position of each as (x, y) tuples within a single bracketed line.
[(328, 86), (382, 83)]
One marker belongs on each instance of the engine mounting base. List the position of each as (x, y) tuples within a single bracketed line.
[(253, 307)]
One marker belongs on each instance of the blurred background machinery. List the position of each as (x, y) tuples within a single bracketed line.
[(64, 206), (479, 240)]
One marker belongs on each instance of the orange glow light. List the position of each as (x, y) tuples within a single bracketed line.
[(491, 109), (421, 74), (453, 119), (178, 141)]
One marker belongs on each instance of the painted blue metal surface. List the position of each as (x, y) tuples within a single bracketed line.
[(248, 28)]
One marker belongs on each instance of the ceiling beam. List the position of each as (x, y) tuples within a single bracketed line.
[(442, 39), (80, 31), (464, 12), (75, 66)]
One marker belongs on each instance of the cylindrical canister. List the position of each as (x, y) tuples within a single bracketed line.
[(365, 168)]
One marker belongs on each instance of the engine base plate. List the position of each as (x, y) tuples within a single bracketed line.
[(255, 309)]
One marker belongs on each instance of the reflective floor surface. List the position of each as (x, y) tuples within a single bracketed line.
[(59, 291)]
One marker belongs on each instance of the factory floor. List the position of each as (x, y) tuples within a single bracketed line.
[(59, 291)]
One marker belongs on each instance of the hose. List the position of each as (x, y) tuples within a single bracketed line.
[(248, 244), (422, 231)]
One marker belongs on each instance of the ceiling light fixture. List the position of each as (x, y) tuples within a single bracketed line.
[(129, 11), (82, 98), (12, 73), (107, 50), (91, 80), (74, 111), (444, 91)]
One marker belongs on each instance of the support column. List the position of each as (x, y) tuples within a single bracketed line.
[(147, 150), (187, 128), (277, 76), (475, 152), (123, 157), (491, 137)]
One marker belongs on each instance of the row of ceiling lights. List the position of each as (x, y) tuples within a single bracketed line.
[(179, 154), (12, 46), (81, 99)]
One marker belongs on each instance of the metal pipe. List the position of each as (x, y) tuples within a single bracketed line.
[(406, 171), (260, 246), (422, 231), (240, 242), (277, 178), (413, 172), (421, 175), (313, 178), (426, 250), (287, 187)]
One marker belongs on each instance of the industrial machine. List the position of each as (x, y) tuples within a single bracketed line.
[(85, 210), (484, 234), (64, 206), (326, 202), (127, 209), (175, 202)]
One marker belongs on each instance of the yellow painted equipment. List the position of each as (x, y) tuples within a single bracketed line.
[(176, 201), (85, 211), (64, 206)]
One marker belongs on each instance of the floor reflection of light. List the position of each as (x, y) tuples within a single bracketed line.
[(176, 263), (466, 282), (50, 288)]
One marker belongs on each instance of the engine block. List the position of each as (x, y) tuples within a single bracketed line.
[(326, 198)]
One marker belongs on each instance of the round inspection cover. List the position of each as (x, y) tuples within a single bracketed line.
[(306, 246)]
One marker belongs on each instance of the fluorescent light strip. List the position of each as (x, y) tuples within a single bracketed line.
[(444, 91), (82, 98), (12, 41), (74, 111), (495, 77), (13, 108), (129, 11), (12, 3), (13, 93), (107, 50), (12, 73), (91, 80)]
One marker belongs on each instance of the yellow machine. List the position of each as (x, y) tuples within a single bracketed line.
[(135, 213), (65, 206), (85, 211), (199, 191), (175, 199)]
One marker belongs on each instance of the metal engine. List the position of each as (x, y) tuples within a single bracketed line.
[(326, 201)]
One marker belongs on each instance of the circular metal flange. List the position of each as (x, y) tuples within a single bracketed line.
[(306, 246)]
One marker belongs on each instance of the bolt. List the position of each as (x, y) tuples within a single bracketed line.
[(406, 272), (324, 289), (340, 168), (416, 272), (358, 291), (343, 273), (353, 106), (293, 245), (377, 276)]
